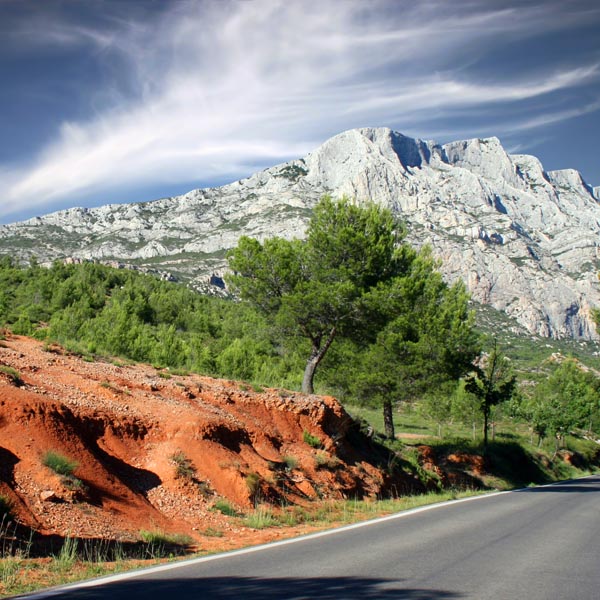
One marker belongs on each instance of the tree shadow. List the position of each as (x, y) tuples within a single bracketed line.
[(8, 460), (19, 539), (136, 479), (235, 588), (564, 488)]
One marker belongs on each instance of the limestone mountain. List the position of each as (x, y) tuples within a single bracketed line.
[(524, 240)]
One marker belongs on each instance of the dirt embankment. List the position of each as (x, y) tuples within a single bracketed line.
[(130, 428)]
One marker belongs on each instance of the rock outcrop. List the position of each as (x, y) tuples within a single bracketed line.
[(524, 240)]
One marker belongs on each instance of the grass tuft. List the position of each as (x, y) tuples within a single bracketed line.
[(13, 375), (312, 440), (59, 463), (225, 508)]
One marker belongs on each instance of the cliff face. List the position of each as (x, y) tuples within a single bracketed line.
[(524, 240)]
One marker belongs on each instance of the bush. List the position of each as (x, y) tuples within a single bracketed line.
[(160, 537), (324, 461), (311, 440), (59, 463), (225, 508), (183, 465), (253, 483), (291, 462), (13, 375)]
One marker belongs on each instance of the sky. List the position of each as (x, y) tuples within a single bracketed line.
[(112, 101)]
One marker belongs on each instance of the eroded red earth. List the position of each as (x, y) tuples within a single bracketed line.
[(123, 424)]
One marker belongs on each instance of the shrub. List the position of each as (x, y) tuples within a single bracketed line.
[(13, 375), (253, 483), (183, 465), (291, 462), (59, 463), (323, 460), (160, 537), (225, 508), (311, 440)]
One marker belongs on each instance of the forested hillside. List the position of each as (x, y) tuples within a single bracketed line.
[(94, 309)]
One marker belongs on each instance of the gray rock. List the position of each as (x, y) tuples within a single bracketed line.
[(524, 240)]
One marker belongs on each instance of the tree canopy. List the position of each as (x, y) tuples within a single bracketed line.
[(355, 277), (318, 288), (492, 383)]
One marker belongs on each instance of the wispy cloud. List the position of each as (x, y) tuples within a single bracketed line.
[(217, 88)]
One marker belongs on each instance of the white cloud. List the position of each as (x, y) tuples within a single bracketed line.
[(220, 86)]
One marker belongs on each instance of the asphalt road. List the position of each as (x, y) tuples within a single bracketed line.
[(540, 543)]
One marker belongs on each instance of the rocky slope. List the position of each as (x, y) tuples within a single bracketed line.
[(524, 240), (156, 451)]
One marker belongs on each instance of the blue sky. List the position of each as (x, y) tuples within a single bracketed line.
[(107, 101)]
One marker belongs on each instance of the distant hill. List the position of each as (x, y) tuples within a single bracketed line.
[(524, 240)]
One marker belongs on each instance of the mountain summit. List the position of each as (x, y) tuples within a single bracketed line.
[(524, 240)]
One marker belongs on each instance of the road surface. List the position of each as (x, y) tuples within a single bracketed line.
[(540, 543)]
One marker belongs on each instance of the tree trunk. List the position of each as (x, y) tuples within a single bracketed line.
[(309, 374), (316, 356), (486, 418), (388, 419)]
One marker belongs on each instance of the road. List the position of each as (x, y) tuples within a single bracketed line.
[(540, 543)]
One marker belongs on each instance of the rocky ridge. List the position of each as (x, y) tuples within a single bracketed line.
[(524, 240)]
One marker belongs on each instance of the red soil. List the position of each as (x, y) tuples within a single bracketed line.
[(123, 424)]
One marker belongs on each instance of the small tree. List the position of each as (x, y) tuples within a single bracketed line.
[(492, 382), (317, 288), (428, 342), (566, 399)]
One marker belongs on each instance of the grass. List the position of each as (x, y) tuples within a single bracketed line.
[(312, 440), (260, 518), (13, 375), (59, 463), (326, 461), (225, 508), (253, 483), (291, 462), (76, 560), (212, 532), (167, 539)]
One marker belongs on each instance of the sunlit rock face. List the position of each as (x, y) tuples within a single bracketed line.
[(524, 240)]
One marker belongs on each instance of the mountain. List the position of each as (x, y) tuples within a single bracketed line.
[(524, 240)]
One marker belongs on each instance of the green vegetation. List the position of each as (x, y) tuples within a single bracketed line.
[(225, 508), (253, 483), (160, 538), (13, 375), (311, 440), (291, 462), (59, 463), (326, 461), (260, 518), (184, 467), (354, 279), (492, 383)]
